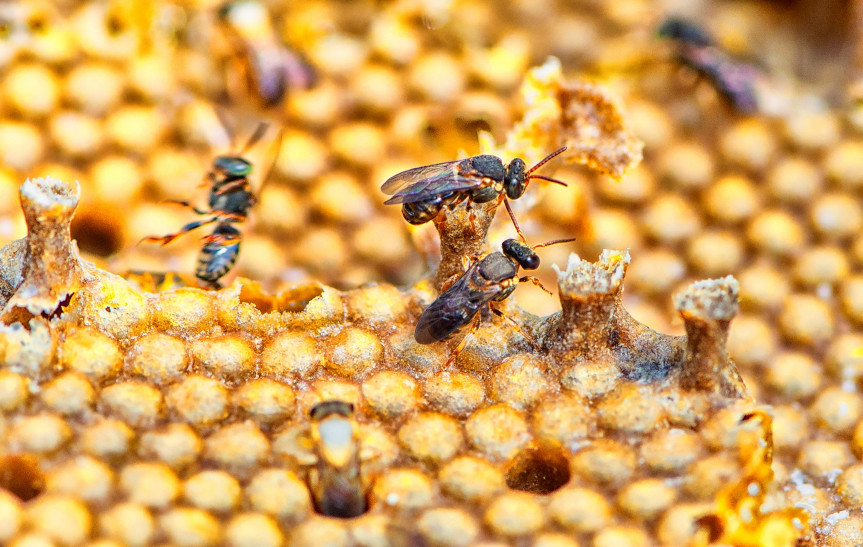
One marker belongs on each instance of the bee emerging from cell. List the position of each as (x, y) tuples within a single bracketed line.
[(484, 282), (424, 192), (336, 482), (230, 200)]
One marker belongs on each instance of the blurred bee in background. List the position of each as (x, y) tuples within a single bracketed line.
[(336, 482), (735, 80), (425, 191), (230, 200), (491, 279), (268, 67)]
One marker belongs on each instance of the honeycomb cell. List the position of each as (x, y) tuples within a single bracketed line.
[(732, 199), (94, 87), (378, 87), (21, 145), (794, 180), (687, 165), (136, 128), (591, 379), (68, 394), (31, 89), (749, 143), (432, 437), (11, 516), (354, 351), (198, 400), (837, 410), (75, 134), (794, 375), (91, 353), (714, 253), (635, 187), (157, 357), (514, 514), (616, 229), (821, 265), (844, 164), (566, 419), (265, 401), (454, 393), (437, 75), (212, 490), (153, 485), (187, 527), (359, 143), (392, 394), (790, 427), (139, 405), (225, 357), (670, 450), (470, 479), (182, 311), (238, 446), (806, 320), (851, 298), (844, 360), (751, 340), (176, 445), (836, 216), (128, 523), (670, 218), (813, 130), (498, 431), (605, 462), (656, 271), (291, 354), (62, 519), (820, 459), (404, 489), (42, 433), (776, 232), (83, 477), (107, 438), (253, 529), (646, 499), (278, 492), (763, 286), (845, 532), (629, 409), (448, 526), (319, 531)]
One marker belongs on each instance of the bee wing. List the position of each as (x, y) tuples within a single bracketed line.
[(452, 310), (428, 181)]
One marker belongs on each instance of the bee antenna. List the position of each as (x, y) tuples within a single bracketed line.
[(554, 242), (256, 136), (545, 160), (549, 179), (226, 124)]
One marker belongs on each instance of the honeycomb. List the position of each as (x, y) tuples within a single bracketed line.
[(138, 409)]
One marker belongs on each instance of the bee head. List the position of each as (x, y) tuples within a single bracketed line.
[(513, 182), (233, 166), (521, 253)]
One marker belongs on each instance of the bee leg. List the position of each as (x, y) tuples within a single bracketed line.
[(187, 204), (535, 281), (514, 221), (511, 322), (463, 342), (164, 240)]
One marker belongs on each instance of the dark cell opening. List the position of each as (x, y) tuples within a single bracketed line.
[(97, 233), (21, 475), (538, 470), (292, 300)]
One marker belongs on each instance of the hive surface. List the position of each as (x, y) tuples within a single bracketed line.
[(136, 414)]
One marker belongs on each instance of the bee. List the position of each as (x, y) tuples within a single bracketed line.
[(336, 482), (425, 191), (491, 279), (734, 80), (229, 202), (268, 67)]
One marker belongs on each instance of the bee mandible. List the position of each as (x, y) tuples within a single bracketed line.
[(336, 482), (229, 202), (491, 279), (425, 191)]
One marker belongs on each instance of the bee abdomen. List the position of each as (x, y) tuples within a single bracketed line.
[(215, 260)]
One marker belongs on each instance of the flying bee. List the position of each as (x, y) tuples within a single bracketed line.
[(230, 200), (336, 482), (425, 191), (491, 279), (268, 67), (735, 80)]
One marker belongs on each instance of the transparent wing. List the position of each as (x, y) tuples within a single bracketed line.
[(428, 181), (452, 310)]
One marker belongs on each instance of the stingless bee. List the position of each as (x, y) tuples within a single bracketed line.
[(336, 482), (229, 202), (269, 68), (424, 191), (734, 80), (491, 279)]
